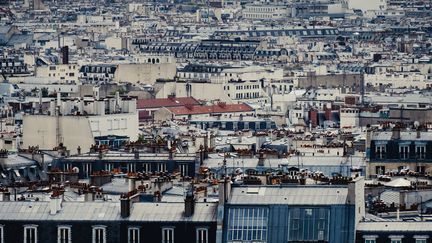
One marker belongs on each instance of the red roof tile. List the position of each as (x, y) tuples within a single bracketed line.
[(222, 108), (165, 102)]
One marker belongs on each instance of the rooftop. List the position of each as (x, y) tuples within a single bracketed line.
[(166, 102), (299, 195), (225, 108)]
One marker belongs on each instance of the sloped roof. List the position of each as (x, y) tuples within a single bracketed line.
[(226, 108), (298, 195), (106, 211), (399, 182), (166, 102)]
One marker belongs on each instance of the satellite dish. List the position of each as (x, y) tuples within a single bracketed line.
[(75, 169), (416, 124)]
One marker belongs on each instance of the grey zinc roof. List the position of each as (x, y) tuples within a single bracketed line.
[(105, 211), (305, 161), (404, 136), (289, 195), (71, 211), (170, 212), (395, 226)]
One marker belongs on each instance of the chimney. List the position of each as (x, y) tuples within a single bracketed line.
[(89, 196), (55, 203), (58, 104), (189, 203), (224, 190), (418, 134), (131, 183), (261, 159), (125, 207), (79, 150), (5, 195), (356, 197), (65, 54), (396, 133)]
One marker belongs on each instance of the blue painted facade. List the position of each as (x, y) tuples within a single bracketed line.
[(235, 125), (187, 167), (292, 223)]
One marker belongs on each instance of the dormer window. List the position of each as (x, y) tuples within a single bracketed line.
[(420, 151), (404, 151), (380, 151)]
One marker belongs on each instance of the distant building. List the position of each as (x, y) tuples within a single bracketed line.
[(190, 112), (134, 73), (148, 107), (394, 231), (266, 12), (393, 151), (64, 73), (13, 66), (87, 164), (76, 123)]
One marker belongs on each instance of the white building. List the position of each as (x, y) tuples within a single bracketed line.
[(349, 117), (398, 80), (76, 123), (64, 73), (367, 5), (265, 12)]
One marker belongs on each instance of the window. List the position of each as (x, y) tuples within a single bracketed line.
[(396, 238), (421, 241), (67, 166), (404, 151), (308, 224), (133, 235), (99, 234), (131, 167), (420, 151), (380, 151), (87, 170), (167, 235), (146, 167), (370, 238), (161, 167), (202, 235), (30, 234), (183, 168), (247, 224), (380, 170), (64, 234)]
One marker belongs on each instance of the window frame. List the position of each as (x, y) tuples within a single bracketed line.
[(421, 238), (380, 151), (69, 233), (172, 236), (30, 227), (420, 151), (370, 238), (200, 232), (138, 234), (396, 238), (404, 151), (95, 228)]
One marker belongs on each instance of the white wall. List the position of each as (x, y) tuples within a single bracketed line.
[(41, 130), (366, 5)]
